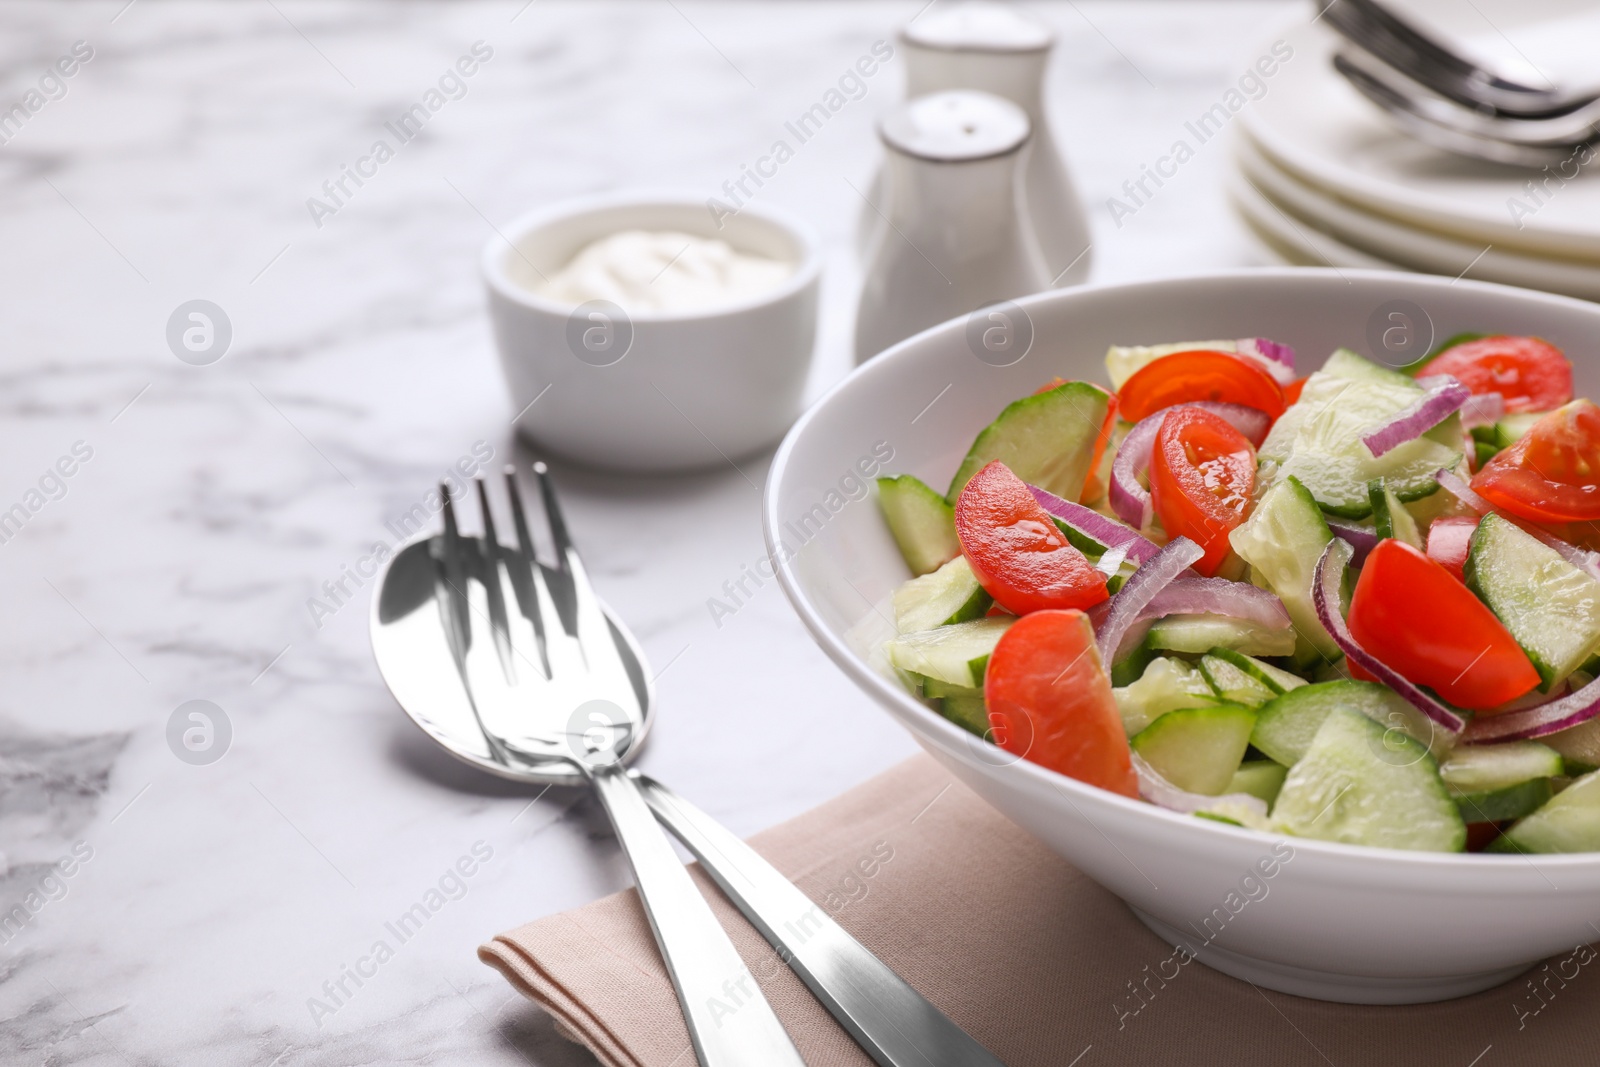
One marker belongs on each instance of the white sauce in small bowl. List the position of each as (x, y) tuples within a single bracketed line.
[(664, 271)]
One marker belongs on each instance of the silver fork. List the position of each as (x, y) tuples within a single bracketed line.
[(892, 1022), (544, 687)]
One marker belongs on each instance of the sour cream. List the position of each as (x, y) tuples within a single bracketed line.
[(664, 272)]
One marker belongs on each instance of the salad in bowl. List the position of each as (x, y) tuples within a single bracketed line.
[(1349, 602)]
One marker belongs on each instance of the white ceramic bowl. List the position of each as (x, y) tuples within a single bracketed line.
[(652, 391), (1335, 922)]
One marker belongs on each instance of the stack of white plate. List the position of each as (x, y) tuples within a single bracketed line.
[(1323, 178)]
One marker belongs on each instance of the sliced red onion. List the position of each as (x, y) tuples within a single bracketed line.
[(1586, 561), (1163, 794), (1548, 718), (1483, 409), (1271, 351), (1361, 538), (1092, 524), (1190, 594), (1139, 590), (1130, 499), (1325, 594), (1443, 398)]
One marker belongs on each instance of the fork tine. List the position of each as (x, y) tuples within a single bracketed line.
[(524, 575), (454, 579), (492, 578), (590, 625)]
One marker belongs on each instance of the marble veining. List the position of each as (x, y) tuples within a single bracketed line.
[(208, 904)]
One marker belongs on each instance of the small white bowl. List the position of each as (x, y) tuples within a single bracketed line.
[(652, 391), (1335, 922)]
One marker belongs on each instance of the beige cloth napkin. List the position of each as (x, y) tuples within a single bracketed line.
[(1031, 957)]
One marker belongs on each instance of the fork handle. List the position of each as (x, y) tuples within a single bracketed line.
[(891, 1021), (729, 1020)]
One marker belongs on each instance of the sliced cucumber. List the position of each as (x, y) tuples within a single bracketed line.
[(934, 689), (1197, 749), (1124, 361), (950, 594), (1274, 678), (1346, 364), (1260, 778), (1318, 441), (1512, 428), (1391, 518), (1201, 633), (1568, 823), (1579, 746), (1047, 440), (1486, 768), (1503, 805), (1282, 541), (1234, 813), (1233, 685), (968, 712), (1362, 785), (1287, 726), (1166, 685), (956, 654), (1551, 607), (922, 522)]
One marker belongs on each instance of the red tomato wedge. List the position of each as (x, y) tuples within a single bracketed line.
[(1093, 488), (1017, 553), (1410, 612), (1201, 473), (1050, 701), (1448, 542), (1531, 374), (1292, 391), (1552, 474), (1199, 375)]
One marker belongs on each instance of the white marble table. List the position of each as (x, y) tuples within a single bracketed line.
[(177, 562)]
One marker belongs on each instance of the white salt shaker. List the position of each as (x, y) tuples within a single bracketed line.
[(998, 49), (954, 236)]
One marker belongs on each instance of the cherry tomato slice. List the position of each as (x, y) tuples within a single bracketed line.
[(1202, 471), (1552, 474), (1050, 701), (1448, 542), (1017, 553), (1199, 375), (1093, 487), (1410, 612), (1531, 374)]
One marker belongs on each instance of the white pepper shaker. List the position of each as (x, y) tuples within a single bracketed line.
[(997, 49), (954, 236)]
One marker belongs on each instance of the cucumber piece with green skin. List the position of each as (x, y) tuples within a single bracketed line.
[(1131, 667), (1166, 685), (1486, 768), (1197, 749), (1196, 634), (1512, 428), (1569, 822), (950, 594), (934, 689), (1390, 517), (1318, 441), (1233, 685), (1260, 778), (1047, 440), (1274, 678), (1233, 813), (1579, 745), (1286, 727), (1503, 805), (1551, 607), (1362, 785), (956, 654), (923, 523), (1282, 541), (1347, 364), (968, 712)]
